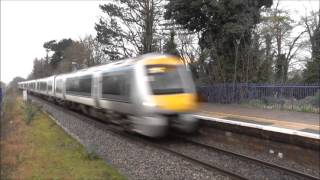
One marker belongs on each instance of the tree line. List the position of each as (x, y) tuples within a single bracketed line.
[(221, 41)]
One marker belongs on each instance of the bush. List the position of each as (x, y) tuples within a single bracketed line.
[(308, 104), (92, 152), (273, 100), (29, 112), (312, 100)]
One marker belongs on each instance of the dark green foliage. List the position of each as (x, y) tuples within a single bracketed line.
[(66, 55), (226, 28), (50, 45), (225, 20), (14, 82), (170, 46), (30, 112), (265, 71), (47, 66), (109, 34), (58, 48), (281, 69), (92, 152), (312, 72), (41, 68)]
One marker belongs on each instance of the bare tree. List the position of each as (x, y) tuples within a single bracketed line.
[(285, 43), (311, 22), (129, 27), (95, 55)]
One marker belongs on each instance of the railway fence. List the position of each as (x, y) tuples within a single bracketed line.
[(295, 97)]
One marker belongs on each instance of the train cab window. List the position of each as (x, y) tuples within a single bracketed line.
[(164, 79), (116, 86), (79, 85)]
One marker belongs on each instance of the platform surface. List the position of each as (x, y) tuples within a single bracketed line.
[(288, 121)]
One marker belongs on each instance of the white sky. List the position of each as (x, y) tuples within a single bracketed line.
[(26, 25)]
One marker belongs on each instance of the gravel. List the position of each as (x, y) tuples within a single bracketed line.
[(246, 168), (134, 159), (290, 156)]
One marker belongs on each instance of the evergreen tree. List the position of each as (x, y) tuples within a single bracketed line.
[(312, 24), (312, 72), (225, 28), (58, 49), (170, 46)]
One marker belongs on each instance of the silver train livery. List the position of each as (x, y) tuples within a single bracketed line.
[(148, 94)]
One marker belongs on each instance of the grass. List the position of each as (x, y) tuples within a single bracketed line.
[(30, 111), (42, 150)]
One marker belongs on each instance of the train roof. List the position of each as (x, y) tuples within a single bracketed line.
[(106, 67)]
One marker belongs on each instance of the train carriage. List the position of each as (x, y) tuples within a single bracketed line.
[(150, 93)]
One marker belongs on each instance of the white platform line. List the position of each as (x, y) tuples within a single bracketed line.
[(257, 126)]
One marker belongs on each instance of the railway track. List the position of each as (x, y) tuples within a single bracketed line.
[(210, 166), (120, 132), (282, 169)]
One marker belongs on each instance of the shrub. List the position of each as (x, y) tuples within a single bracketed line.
[(29, 112), (92, 152), (311, 100)]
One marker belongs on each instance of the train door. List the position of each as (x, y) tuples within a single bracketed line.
[(96, 88)]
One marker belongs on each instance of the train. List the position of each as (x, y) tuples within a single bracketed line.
[(149, 94)]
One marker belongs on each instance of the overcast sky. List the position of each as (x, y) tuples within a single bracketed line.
[(26, 25)]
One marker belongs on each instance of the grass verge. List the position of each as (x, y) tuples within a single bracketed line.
[(42, 150)]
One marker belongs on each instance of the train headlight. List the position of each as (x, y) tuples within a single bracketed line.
[(149, 104)]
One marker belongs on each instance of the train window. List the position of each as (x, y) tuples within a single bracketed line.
[(72, 84), (111, 85), (43, 86), (85, 84), (59, 85), (116, 86), (49, 85), (79, 85)]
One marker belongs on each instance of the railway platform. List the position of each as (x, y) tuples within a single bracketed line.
[(296, 124)]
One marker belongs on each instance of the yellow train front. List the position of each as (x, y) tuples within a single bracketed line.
[(165, 96)]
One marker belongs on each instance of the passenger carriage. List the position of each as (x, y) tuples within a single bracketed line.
[(148, 94)]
